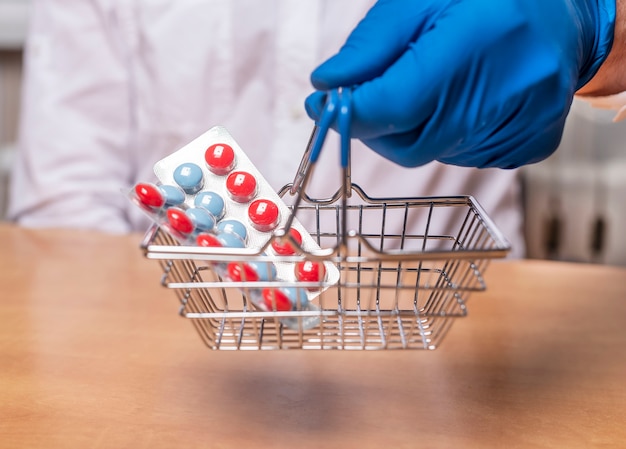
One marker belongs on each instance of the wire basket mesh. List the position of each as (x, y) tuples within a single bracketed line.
[(403, 268), (397, 288)]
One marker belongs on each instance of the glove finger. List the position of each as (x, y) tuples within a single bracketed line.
[(402, 99), (376, 42), (395, 102), (458, 74), (401, 149)]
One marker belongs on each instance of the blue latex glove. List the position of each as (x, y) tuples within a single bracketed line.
[(478, 83)]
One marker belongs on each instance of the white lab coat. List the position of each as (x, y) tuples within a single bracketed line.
[(112, 86)]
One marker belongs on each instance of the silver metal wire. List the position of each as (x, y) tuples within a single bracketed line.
[(384, 298), (397, 288)]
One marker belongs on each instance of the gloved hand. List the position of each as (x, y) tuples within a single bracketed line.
[(478, 83)]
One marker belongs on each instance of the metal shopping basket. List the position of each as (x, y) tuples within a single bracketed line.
[(395, 290)]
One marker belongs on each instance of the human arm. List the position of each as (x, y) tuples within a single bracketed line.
[(466, 82), (611, 76), (607, 90), (74, 126)]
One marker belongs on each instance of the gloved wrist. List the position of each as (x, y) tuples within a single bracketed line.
[(597, 19)]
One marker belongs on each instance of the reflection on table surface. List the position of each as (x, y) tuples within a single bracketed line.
[(95, 355)]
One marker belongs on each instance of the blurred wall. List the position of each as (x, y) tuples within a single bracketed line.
[(575, 201), (13, 23)]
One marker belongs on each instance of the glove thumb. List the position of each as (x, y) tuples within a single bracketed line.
[(314, 105)]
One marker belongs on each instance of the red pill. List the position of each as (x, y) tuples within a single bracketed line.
[(286, 248), (208, 240), (276, 300), (241, 186), (240, 271), (220, 158), (149, 195), (179, 220), (264, 215), (310, 271)]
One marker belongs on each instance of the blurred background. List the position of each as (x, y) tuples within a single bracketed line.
[(575, 207), (13, 23)]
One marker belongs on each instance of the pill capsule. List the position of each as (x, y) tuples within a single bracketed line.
[(221, 240), (266, 271), (179, 221), (220, 158), (229, 240), (189, 177), (310, 271), (149, 195), (173, 195), (212, 202), (207, 240), (275, 300), (241, 271), (297, 296), (241, 186), (202, 219), (234, 227), (285, 298), (263, 215), (285, 248)]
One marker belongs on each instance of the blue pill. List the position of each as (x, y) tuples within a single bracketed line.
[(234, 227), (201, 218), (189, 177), (230, 240), (265, 270), (173, 195), (297, 296), (212, 202)]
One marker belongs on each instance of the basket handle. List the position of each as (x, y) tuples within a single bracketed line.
[(338, 107)]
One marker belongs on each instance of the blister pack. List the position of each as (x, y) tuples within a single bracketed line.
[(210, 194)]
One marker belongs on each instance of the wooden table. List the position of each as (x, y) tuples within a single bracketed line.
[(94, 355)]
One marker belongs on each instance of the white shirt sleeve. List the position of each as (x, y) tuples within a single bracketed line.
[(74, 132)]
